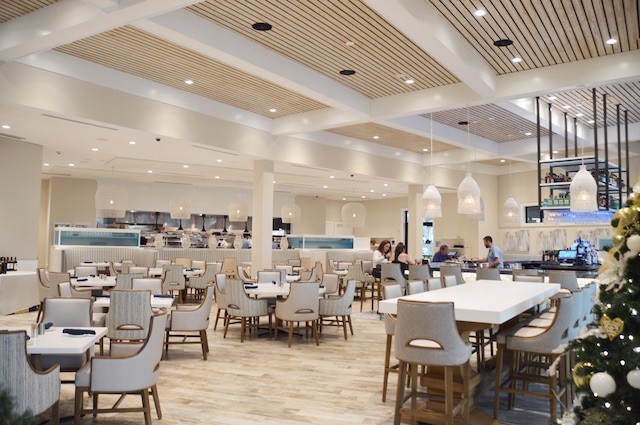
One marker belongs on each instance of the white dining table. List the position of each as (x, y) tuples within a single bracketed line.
[(107, 282), (484, 301), (156, 302), (271, 290), (157, 271), (54, 341)]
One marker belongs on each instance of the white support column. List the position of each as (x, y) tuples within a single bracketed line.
[(261, 251), (414, 236)]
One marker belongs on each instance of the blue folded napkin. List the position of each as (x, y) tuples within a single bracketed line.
[(48, 325), (291, 274), (163, 296), (321, 286), (102, 296), (87, 262), (92, 275), (84, 279), (71, 331), (189, 270), (250, 286)]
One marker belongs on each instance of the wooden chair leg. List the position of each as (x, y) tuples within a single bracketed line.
[(496, 396), (402, 376), (203, 342), (156, 400), (387, 360)]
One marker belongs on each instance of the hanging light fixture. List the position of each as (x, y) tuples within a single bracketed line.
[(583, 192), (354, 213), (180, 209), (290, 213), (468, 191), (238, 212), (432, 201), (510, 209), (479, 216), (111, 201)]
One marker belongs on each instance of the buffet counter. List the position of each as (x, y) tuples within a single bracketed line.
[(18, 291)]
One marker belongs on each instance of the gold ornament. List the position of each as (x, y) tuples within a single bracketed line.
[(612, 327), (582, 373)]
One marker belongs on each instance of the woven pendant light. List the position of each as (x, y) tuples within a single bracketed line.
[(583, 191), (290, 213), (432, 202), (354, 213), (111, 201), (468, 196), (511, 210), (238, 212)]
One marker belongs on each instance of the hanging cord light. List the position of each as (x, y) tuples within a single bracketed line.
[(583, 190), (432, 201), (469, 191), (511, 209), (354, 213)]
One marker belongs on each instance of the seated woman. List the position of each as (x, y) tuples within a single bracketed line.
[(381, 255), (400, 256)]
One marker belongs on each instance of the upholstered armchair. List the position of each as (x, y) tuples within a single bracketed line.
[(191, 321)]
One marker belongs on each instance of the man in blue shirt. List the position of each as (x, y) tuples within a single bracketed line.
[(442, 255), (494, 256)]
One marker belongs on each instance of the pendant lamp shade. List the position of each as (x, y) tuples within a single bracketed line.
[(468, 196), (583, 191), (111, 201), (511, 210), (238, 211), (354, 213), (290, 213), (180, 208), (479, 215), (431, 202)]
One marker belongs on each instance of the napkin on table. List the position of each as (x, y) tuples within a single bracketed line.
[(72, 331)]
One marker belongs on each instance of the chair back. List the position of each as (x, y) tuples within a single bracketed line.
[(331, 283), (434, 283), (343, 265), (426, 333), (339, 306), (419, 272), (172, 277), (526, 272), (367, 266), (29, 390), (65, 289), (129, 315), (196, 318), (566, 278), (452, 270), (415, 287), (288, 269), (239, 304), (265, 276), (125, 280), (391, 290), (201, 282), (151, 284), (144, 271), (63, 311), (302, 304), (229, 266), (528, 278), (221, 297), (198, 264), (46, 289), (319, 271), (295, 262), (183, 261), (449, 281), (135, 372), (392, 271), (487, 274), (84, 271), (161, 263)]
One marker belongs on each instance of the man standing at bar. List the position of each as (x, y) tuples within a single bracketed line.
[(494, 256)]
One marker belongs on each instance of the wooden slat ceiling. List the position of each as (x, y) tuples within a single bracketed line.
[(489, 121), (391, 137), (139, 53), (544, 32), (13, 9), (314, 34)]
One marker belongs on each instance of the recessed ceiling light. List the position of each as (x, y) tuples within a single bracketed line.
[(480, 12), (218, 160), (344, 199), (149, 171), (94, 149), (384, 194), (72, 165), (516, 60), (132, 142), (272, 110), (350, 43), (567, 106), (579, 114), (347, 72), (425, 150), (363, 197), (185, 166), (552, 98), (6, 126), (409, 81), (611, 41), (528, 133), (371, 190), (262, 26), (188, 82), (376, 137), (217, 177), (591, 121), (332, 177), (503, 160), (46, 164), (325, 186), (504, 42), (386, 184)]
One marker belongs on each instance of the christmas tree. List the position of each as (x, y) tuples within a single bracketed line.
[(607, 357)]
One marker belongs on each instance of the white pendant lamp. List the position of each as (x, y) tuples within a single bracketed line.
[(111, 201), (354, 213), (431, 202), (290, 213), (478, 216), (511, 210), (431, 199), (180, 209), (583, 192), (238, 211), (468, 196)]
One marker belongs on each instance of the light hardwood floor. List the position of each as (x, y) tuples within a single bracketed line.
[(261, 381)]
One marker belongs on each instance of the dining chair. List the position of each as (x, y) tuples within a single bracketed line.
[(392, 271), (331, 283), (566, 278), (183, 261), (528, 278), (221, 298), (426, 334), (191, 322), (389, 291), (288, 269), (125, 280), (199, 283), (129, 315), (173, 280), (198, 264), (434, 283), (134, 374), (486, 273), (151, 284), (526, 272), (336, 311), (295, 262), (161, 263), (415, 287), (144, 271), (302, 305), (448, 281), (112, 270), (419, 272), (265, 276), (32, 391), (319, 270), (525, 343), (452, 270), (48, 287), (243, 308), (85, 271), (230, 266)]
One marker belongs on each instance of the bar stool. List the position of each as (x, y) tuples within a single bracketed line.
[(390, 291)]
